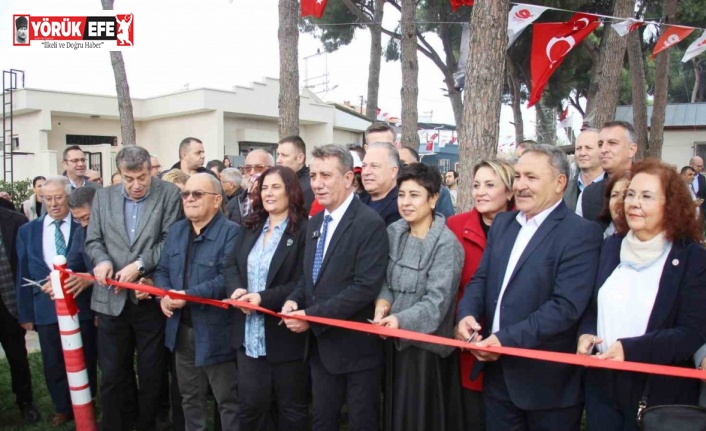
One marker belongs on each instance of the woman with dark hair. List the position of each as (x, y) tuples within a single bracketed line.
[(492, 194), (264, 268), (226, 162), (651, 287), (422, 387), (613, 203)]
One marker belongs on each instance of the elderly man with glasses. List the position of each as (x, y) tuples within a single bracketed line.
[(192, 262), (255, 164)]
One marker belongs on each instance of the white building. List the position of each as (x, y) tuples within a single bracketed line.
[(228, 122)]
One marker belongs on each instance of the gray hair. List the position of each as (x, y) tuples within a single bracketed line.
[(233, 175), (60, 181), (132, 158), (557, 158), (339, 152), (212, 180), (392, 151), (270, 158), (82, 197)]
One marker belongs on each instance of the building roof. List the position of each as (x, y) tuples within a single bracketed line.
[(677, 115)]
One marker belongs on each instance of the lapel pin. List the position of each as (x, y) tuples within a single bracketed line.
[(290, 242), (675, 262)]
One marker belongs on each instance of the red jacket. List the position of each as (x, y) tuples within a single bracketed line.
[(467, 228)]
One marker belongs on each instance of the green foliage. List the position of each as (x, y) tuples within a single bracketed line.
[(334, 36), (20, 191)]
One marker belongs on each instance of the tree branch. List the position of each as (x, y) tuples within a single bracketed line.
[(576, 106)]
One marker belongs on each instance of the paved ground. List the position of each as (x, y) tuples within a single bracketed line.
[(32, 343)]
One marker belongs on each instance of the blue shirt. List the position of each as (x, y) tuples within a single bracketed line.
[(132, 209), (259, 261)]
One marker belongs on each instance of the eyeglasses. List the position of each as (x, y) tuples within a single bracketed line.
[(646, 199), (197, 194), (75, 161), (257, 168)]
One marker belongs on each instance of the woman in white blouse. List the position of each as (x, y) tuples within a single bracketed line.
[(651, 289)]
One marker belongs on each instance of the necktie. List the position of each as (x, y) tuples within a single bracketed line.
[(59, 238), (319, 255)]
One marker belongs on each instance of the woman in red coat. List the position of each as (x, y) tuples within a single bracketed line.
[(492, 194)]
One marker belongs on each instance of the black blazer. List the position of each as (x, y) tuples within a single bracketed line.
[(675, 331), (349, 282), (542, 305), (282, 277), (10, 222), (571, 192), (592, 201), (388, 209), (701, 194)]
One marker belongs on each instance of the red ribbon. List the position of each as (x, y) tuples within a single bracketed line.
[(564, 358)]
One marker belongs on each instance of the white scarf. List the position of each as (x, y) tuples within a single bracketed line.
[(641, 254)]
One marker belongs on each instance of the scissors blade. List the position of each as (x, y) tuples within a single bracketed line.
[(33, 283)]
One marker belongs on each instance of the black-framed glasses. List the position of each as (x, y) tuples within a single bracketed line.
[(197, 194), (75, 161)]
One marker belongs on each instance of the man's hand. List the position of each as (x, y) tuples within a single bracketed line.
[(29, 326), (74, 285), (127, 274), (144, 295), (166, 304), (252, 298), (102, 271), (288, 307), (614, 353), (586, 344), (381, 308), (491, 341), (47, 288), (178, 303), (296, 325), (466, 327)]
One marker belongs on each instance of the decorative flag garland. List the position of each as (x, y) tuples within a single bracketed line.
[(671, 36), (550, 44), (627, 26), (455, 4), (696, 48), (519, 18)]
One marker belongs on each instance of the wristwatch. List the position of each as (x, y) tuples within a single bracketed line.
[(140, 266)]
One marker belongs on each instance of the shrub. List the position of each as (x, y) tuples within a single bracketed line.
[(20, 191)]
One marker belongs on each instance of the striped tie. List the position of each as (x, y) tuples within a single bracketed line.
[(319, 255), (59, 239)]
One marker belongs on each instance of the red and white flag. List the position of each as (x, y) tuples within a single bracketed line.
[(550, 44), (455, 4), (519, 18), (696, 48), (672, 36), (625, 27), (430, 142), (313, 8)]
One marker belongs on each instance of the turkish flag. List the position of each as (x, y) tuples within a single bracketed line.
[(313, 8), (455, 4), (672, 36), (550, 44)]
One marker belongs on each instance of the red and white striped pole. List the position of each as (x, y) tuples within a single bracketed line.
[(72, 345)]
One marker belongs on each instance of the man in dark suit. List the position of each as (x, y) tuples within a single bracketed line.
[(533, 284), (588, 162), (618, 146), (380, 167), (126, 232), (699, 183), (38, 243), (291, 152), (12, 335), (345, 260)]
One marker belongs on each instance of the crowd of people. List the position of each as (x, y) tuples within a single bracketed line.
[(607, 261)]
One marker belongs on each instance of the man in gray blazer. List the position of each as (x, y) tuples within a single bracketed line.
[(127, 229)]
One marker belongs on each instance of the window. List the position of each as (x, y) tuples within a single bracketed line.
[(91, 140), (444, 165), (700, 149)]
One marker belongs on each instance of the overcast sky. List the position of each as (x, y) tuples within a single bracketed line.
[(215, 44)]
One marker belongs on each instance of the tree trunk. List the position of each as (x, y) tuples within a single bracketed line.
[(546, 124), (410, 73), (451, 65), (122, 89), (375, 59), (288, 35), (514, 85), (485, 71), (659, 106), (639, 92), (606, 80)]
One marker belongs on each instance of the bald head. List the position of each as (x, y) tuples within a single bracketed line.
[(697, 163), (256, 162), (201, 210)]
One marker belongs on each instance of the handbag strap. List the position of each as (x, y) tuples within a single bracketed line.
[(642, 405)]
